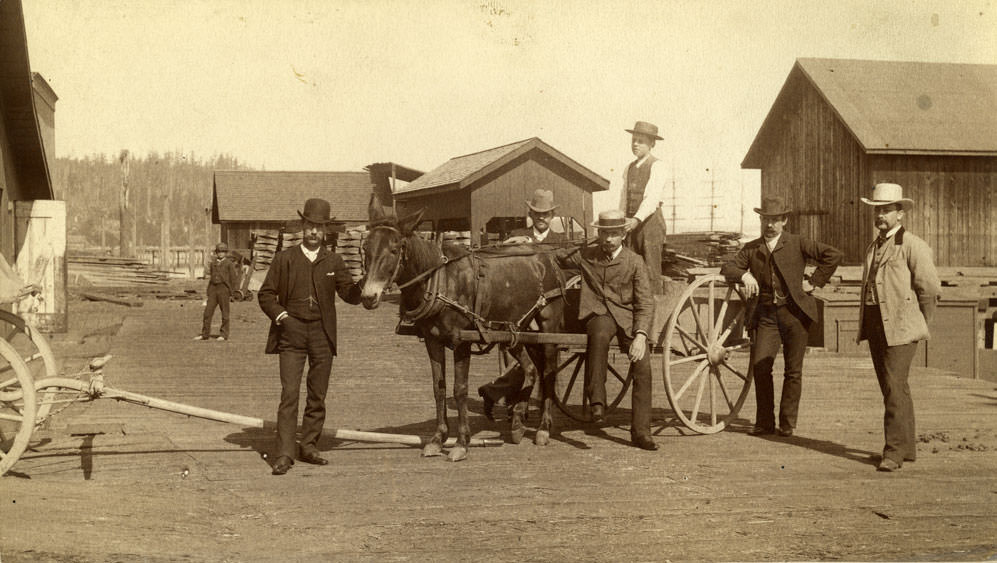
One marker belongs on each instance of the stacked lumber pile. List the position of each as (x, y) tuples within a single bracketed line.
[(265, 244), (349, 245), (111, 271), (704, 248), (462, 238)]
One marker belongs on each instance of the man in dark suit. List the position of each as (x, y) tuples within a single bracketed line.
[(616, 300), (298, 295), (222, 278), (771, 267), (510, 385), (900, 288)]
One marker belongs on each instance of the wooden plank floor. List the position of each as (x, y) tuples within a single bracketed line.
[(156, 486)]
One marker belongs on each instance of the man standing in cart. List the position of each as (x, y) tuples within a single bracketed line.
[(641, 197), (298, 295), (616, 300), (772, 267), (222, 280), (510, 386), (900, 288)]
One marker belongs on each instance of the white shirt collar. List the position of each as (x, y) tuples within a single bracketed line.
[(771, 243), (311, 255), (643, 159), (538, 236), (892, 231), (616, 253)]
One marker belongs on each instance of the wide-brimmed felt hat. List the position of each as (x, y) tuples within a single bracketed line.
[(886, 193), (614, 219), (542, 201), (221, 247), (316, 211), (645, 128), (772, 207)]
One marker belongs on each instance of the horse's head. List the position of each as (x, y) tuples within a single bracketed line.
[(384, 251)]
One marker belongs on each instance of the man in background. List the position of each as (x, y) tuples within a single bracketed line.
[(222, 280)]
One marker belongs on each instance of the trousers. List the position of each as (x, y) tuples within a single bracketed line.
[(786, 326), (601, 329), (648, 239), (892, 365), (218, 296), (300, 341)]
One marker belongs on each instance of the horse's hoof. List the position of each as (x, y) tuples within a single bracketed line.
[(517, 431), (432, 449), (457, 453), (542, 438)]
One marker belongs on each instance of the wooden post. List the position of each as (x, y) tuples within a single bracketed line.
[(126, 217), (164, 225)]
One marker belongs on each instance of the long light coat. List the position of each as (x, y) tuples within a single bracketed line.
[(907, 285)]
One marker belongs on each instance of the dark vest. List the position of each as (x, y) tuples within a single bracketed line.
[(216, 271), (771, 288), (301, 302), (636, 183)]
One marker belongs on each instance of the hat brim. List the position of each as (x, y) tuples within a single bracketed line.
[(759, 211), (316, 221), (628, 224), (906, 202), (541, 209), (632, 132)]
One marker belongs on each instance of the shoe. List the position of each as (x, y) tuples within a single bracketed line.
[(598, 413), (283, 465), (644, 442), (200, 337), (785, 432), (313, 458), (488, 405), (760, 431), (888, 465), (221, 339)]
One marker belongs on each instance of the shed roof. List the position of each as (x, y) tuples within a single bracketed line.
[(244, 195), (894, 107), (462, 171), (18, 105)]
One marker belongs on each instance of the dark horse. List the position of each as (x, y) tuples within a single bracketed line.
[(450, 288)]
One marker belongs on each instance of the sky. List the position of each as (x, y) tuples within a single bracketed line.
[(337, 85)]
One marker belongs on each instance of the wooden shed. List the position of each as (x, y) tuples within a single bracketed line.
[(246, 201), (838, 127), (468, 192)]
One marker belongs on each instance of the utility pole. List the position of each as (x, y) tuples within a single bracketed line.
[(126, 218), (713, 205)]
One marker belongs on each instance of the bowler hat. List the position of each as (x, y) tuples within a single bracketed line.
[(316, 211), (885, 194), (645, 128), (614, 219), (221, 247), (772, 207), (542, 201)]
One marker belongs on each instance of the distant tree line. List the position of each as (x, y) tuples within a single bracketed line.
[(168, 198)]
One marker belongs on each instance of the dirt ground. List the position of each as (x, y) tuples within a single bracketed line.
[(109, 481)]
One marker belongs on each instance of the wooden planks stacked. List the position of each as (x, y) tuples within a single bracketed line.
[(703, 248), (111, 271), (349, 245), (265, 245), (457, 237)]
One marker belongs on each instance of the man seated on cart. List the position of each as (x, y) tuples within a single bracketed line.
[(616, 300), (510, 385)]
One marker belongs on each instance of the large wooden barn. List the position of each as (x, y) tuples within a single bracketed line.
[(838, 127), (486, 191)]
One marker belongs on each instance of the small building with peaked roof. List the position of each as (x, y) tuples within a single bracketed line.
[(840, 126), (481, 191)]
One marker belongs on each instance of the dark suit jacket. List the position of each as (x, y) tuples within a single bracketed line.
[(552, 237), (289, 268), (790, 255), (621, 287), (227, 269)]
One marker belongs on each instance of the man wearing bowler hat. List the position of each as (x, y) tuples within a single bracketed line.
[(616, 300), (540, 210), (771, 267), (298, 295), (222, 279), (900, 288), (641, 198)]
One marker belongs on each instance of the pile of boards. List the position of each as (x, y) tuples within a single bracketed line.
[(112, 271)]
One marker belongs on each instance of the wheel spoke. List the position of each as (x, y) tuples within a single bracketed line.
[(699, 323), (11, 417), (735, 372), (699, 399), (689, 337), (718, 324), (613, 371), (712, 286), (571, 382), (695, 374), (687, 359), (723, 389)]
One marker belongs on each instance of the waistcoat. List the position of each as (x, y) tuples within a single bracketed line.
[(637, 178)]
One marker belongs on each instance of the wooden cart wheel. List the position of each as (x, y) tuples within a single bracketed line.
[(34, 349), (706, 357), (17, 406), (569, 392)]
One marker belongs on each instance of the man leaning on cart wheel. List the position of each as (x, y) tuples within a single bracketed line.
[(900, 288), (771, 267), (616, 300), (298, 295)]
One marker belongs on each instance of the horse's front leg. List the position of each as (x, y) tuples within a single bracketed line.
[(437, 360), (547, 381), (518, 427), (461, 366)]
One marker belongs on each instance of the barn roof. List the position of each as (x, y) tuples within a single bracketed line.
[(462, 171), (17, 101), (244, 195), (896, 107)]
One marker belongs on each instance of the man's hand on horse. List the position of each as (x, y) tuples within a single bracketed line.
[(521, 239), (750, 284), (638, 347)]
